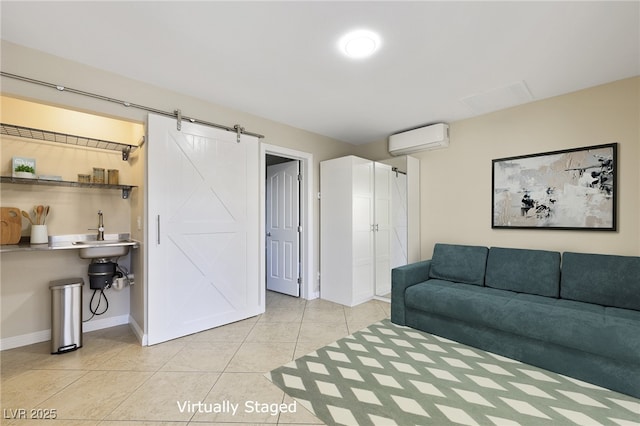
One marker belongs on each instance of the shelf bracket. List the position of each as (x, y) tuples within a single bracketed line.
[(125, 192), (125, 153)]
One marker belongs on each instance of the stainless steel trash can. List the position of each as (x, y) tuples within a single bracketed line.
[(66, 315)]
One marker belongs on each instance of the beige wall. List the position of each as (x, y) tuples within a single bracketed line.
[(456, 182), (36, 65)]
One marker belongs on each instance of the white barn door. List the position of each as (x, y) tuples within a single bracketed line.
[(202, 229)]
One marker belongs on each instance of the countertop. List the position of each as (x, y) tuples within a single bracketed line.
[(66, 242)]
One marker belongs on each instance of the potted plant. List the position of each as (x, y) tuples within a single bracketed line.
[(24, 171)]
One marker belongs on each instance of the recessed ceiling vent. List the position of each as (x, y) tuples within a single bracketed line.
[(499, 98), (421, 139)]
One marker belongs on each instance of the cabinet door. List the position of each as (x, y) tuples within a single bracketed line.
[(203, 238), (382, 228), (362, 227)]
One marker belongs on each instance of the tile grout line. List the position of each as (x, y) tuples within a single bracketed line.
[(166, 357), (295, 347)]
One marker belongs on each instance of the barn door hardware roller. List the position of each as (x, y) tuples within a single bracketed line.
[(178, 119), (239, 131)]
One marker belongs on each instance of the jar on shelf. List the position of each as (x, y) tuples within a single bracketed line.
[(84, 178), (112, 176), (98, 175)]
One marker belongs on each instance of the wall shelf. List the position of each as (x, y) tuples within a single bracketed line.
[(64, 138), (126, 189)]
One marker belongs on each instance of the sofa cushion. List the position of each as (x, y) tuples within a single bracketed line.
[(583, 326), (524, 271), (458, 263), (607, 280), (464, 302)]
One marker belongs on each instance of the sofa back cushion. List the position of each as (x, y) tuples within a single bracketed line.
[(462, 264), (603, 279), (524, 271)]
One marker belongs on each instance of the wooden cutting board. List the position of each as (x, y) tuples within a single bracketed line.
[(11, 225)]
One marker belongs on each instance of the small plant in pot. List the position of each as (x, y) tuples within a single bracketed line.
[(24, 171)]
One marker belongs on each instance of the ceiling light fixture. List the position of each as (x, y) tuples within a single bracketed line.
[(359, 44)]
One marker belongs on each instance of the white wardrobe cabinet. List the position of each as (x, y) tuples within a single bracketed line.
[(355, 229)]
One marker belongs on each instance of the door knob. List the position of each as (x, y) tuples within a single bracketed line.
[(268, 234)]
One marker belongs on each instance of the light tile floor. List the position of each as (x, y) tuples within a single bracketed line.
[(113, 381)]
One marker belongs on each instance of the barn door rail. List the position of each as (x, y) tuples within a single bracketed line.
[(177, 114)]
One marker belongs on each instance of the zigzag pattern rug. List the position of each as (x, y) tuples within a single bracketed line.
[(386, 374)]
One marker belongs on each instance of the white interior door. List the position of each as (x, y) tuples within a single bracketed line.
[(282, 227), (203, 229)]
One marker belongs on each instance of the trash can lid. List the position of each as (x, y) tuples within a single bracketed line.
[(66, 282)]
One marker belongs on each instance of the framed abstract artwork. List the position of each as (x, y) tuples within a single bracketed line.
[(568, 189)]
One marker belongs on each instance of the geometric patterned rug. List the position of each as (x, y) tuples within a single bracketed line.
[(387, 375)]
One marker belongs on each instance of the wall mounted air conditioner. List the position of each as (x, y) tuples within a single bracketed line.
[(424, 138)]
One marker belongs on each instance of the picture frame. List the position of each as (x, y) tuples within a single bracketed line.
[(23, 167), (571, 189)]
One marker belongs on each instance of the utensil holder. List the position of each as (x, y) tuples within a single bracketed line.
[(39, 234)]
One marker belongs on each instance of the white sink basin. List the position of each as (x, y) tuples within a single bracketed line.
[(103, 249)]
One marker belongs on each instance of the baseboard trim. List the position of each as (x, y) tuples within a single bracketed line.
[(44, 335), (99, 324), (25, 339), (137, 330)]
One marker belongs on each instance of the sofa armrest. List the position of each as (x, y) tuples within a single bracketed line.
[(402, 278)]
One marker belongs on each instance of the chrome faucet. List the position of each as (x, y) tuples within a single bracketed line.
[(100, 227)]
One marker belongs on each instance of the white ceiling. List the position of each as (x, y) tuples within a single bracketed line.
[(279, 60)]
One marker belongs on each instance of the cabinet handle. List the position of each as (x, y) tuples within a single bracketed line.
[(158, 237), (377, 227)]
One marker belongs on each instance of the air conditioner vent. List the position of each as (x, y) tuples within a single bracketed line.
[(421, 139)]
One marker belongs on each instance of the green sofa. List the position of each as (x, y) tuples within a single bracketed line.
[(577, 315)]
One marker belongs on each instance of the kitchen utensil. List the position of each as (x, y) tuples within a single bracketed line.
[(46, 213), (39, 210), (11, 225), (25, 214)]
